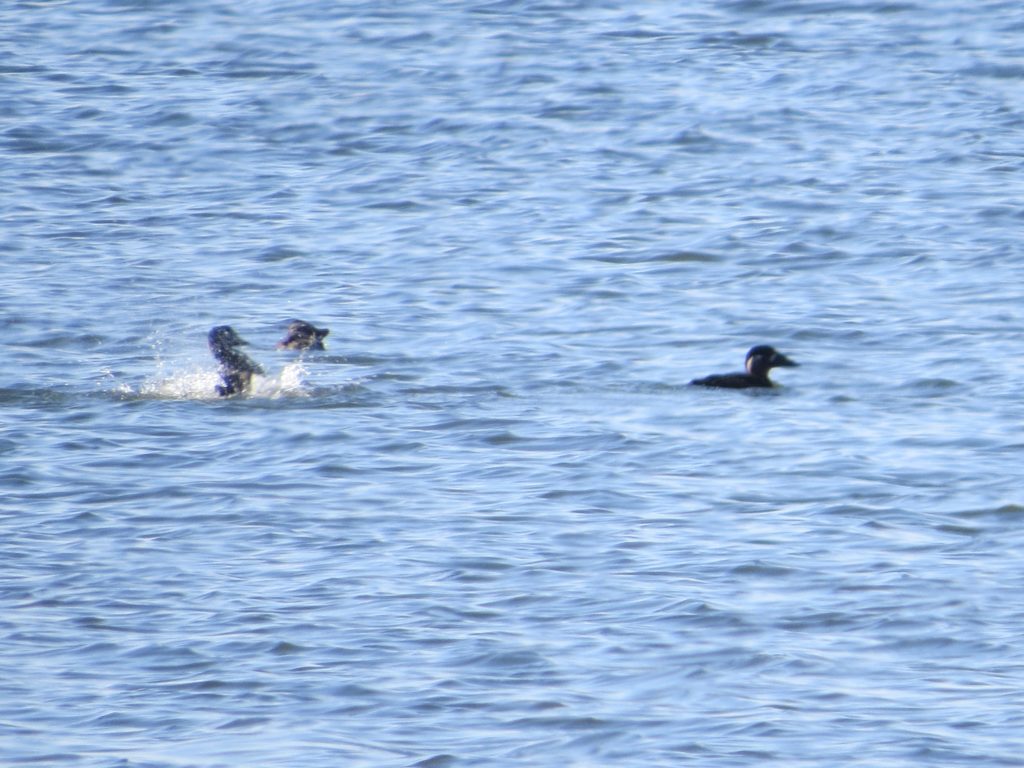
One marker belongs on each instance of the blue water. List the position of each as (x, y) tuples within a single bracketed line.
[(491, 525)]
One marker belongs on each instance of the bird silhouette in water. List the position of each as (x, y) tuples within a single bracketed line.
[(236, 367), (760, 360), (303, 335)]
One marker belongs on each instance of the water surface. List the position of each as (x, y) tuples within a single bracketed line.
[(491, 525)]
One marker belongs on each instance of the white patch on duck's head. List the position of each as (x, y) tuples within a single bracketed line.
[(762, 358), (759, 360)]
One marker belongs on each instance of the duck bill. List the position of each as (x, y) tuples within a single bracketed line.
[(781, 361)]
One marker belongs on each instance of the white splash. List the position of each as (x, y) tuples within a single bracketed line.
[(182, 385), (201, 384), (288, 382), (192, 375)]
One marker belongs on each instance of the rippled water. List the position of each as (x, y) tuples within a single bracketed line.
[(491, 525)]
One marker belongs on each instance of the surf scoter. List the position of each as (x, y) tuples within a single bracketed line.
[(303, 335), (760, 360), (236, 367)]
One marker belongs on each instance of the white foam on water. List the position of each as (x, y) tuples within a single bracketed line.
[(200, 383)]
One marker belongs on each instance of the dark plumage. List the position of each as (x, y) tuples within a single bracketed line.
[(760, 360), (303, 335), (236, 367)]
